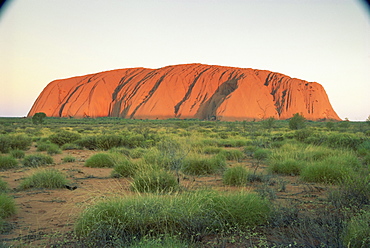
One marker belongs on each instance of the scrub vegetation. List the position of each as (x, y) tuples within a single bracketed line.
[(190, 183)]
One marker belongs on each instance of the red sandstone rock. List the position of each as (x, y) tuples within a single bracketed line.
[(185, 91)]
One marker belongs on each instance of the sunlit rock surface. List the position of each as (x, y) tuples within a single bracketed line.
[(185, 91)]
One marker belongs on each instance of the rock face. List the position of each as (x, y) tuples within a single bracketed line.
[(185, 91)]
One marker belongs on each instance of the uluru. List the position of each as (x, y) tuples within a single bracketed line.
[(200, 91)]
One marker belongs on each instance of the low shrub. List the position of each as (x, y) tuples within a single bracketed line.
[(17, 153), (63, 137), (43, 145), (287, 167), (261, 154), (326, 171), (232, 154), (106, 142), (46, 178), (99, 160), (124, 167), (197, 165), (70, 146), (34, 160), (211, 150), (7, 206), (236, 176), (3, 186), (68, 159), (53, 149), (8, 162), (13, 142), (89, 142), (137, 152), (352, 193), (357, 233), (189, 216), (154, 181)]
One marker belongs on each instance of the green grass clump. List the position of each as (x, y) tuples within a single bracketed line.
[(7, 208), (154, 181), (68, 159), (17, 153), (35, 160), (13, 142), (232, 154), (70, 146), (212, 150), (236, 176), (53, 149), (43, 145), (330, 170), (189, 216), (100, 160), (197, 165), (108, 141), (3, 186), (357, 233), (287, 167), (124, 167), (8, 162), (46, 178)]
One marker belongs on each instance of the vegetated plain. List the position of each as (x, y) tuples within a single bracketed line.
[(111, 182)]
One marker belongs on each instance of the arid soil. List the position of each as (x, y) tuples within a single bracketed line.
[(46, 215)]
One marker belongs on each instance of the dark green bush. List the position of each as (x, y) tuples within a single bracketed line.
[(261, 154), (89, 142), (236, 176), (302, 134), (63, 137), (106, 142), (14, 142), (34, 160), (8, 162), (17, 153), (297, 122), (100, 160)]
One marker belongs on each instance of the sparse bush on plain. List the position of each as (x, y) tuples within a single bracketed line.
[(124, 167), (89, 142), (68, 159), (7, 206), (17, 153), (297, 122), (8, 162), (232, 154), (63, 137), (108, 141), (236, 176), (196, 164), (13, 142), (154, 181), (287, 167), (35, 160), (99, 160), (3, 186), (326, 171), (189, 216), (53, 149), (70, 146), (46, 178)]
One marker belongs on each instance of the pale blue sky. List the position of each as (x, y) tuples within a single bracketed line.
[(324, 41)]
